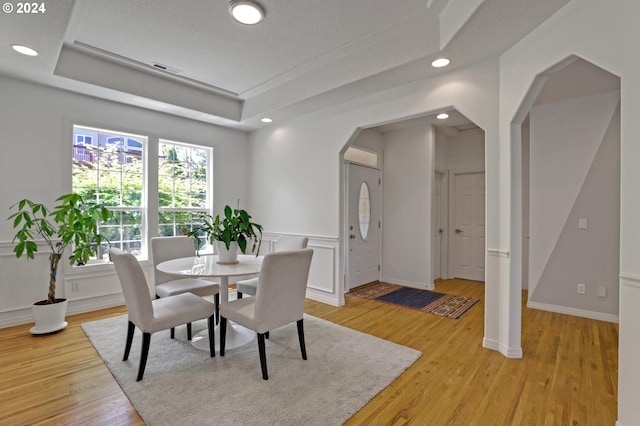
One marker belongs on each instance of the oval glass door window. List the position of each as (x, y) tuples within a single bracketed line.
[(364, 210)]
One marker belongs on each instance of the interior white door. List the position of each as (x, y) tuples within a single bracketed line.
[(469, 226), (436, 222), (363, 225)]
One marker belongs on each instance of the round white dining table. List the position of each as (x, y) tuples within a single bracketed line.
[(208, 266)]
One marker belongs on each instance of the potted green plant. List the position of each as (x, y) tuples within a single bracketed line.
[(232, 231), (71, 221)]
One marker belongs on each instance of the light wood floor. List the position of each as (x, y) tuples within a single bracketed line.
[(568, 375)]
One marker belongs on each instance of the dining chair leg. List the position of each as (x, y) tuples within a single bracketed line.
[(263, 356), (212, 340), (146, 341), (303, 348), (173, 330), (188, 331), (127, 347), (216, 301), (223, 334)]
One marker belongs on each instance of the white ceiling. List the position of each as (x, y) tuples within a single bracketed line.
[(306, 54)]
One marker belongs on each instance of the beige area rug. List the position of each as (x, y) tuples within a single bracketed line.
[(184, 386)]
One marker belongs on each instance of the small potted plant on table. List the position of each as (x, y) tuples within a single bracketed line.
[(232, 231), (70, 222)]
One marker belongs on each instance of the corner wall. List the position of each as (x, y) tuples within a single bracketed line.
[(406, 232), (575, 175), (598, 32)]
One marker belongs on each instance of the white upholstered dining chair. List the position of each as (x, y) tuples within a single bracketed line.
[(284, 243), (151, 315), (279, 300), (168, 248)]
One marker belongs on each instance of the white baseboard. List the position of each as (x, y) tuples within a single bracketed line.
[(329, 299), (24, 316), (601, 316), (421, 286), (503, 349), (491, 344)]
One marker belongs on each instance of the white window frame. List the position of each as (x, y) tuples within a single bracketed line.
[(208, 208)]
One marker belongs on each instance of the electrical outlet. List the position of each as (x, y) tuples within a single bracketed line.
[(582, 223), (602, 291), (75, 286), (582, 289)]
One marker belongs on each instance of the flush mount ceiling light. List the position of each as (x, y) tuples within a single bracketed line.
[(442, 116), (24, 50), (246, 12), (266, 120), (440, 62)]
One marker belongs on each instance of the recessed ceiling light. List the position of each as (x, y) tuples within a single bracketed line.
[(246, 12), (440, 62), (266, 120), (24, 50), (442, 116)]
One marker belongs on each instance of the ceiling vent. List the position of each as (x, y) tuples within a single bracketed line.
[(166, 68)]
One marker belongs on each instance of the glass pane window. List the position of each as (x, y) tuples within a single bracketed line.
[(184, 186), (111, 172), (364, 210)]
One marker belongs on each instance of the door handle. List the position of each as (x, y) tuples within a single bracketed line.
[(440, 231), (458, 231), (352, 236)]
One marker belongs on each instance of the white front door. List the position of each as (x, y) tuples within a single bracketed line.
[(469, 226), (363, 225)]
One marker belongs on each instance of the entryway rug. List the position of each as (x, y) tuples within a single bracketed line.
[(446, 305), (183, 386)]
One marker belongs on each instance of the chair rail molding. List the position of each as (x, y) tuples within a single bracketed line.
[(498, 253)]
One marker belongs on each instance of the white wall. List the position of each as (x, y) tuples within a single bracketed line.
[(36, 128), (575, 174), (598, 32), (406, 231), (370, 140), (466, 151)]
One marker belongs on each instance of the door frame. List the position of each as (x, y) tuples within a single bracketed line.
[(444, 222), (451, 231), (345, 218)]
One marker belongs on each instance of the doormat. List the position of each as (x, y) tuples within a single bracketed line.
[(446, 305)]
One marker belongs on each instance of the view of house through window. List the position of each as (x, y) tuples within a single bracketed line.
[(183, 195), (109, 168)]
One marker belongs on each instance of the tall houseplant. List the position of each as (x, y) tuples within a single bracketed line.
[(71, 221), (233, 227)]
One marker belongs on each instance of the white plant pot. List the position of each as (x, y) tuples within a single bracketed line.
[(227, 256), (49, 317)]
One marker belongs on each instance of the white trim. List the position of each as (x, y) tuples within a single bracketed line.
[(498, 253), (25, 316), (274, 234), (490, 344), (630, 280), (508, 352), (421, 286), (573, 311), (515, 353)]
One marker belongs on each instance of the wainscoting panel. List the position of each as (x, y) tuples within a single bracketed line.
[(22, 281), (323, 276)]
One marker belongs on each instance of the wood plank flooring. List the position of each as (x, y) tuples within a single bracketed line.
[(568, 375)]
